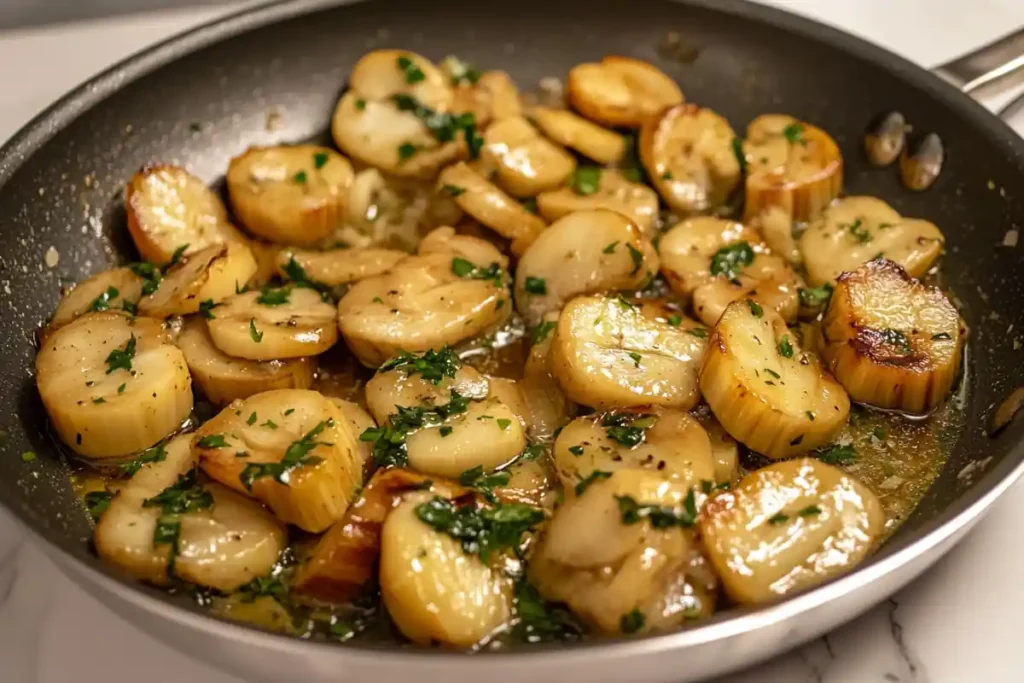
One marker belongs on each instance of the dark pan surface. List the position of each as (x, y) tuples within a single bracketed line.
[(61, 178)]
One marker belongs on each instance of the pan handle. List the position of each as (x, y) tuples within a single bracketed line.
[(989, 70)]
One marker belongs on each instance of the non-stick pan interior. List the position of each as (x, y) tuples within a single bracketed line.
[(61, 216)]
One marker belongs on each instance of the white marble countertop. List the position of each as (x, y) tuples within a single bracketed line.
[(956, 624)]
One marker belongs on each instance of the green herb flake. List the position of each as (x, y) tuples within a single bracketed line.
[(446, 430), (794, 132), (206, 308), (97, 503), (361, 104), (295, 456), (504, 424), (274, 296), (897, 340), (28, 456), (632, 512), (443, 126), (413, 74), (461, 71), (837, 454), (814, 297), (859, 233), (389, 449), (482, 531), (637, 256), (755, 308), (542, 331), (610, 248), (632, 621), (212, 441), (576, 450), (99, 400), (432, 366), (667, 175), (254, 334), (182, 497), (627, 429), (778, 518), (406, 150), (121, 387), (475, 478), (466, 269), (121, 359), (452, 190), (586, 180), (741, 157), (809, 511), (809, 414), (584, 483), (342, 630), (675, 320), (699, 332), (176, 256), (732, 259), (320, 160), (785, 347), (540, 621), (150, 275), (269, 424), (156, 453), (300, 178), (102, 302), (535, 285), (636, 357)]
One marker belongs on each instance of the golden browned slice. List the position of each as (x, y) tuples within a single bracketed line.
[(336, 267), (169, 209), (290, 194), (767, 392), (381, 74), (618, 571), (621, 91), (892, 341), (117, 289), (222, 379), (202, 278), (113, 384), (272, 324), (607, 353), (687, 151), (787, 527), (724, 449), (434, 591), (595, 188), (857, 229), (664, 441), (793, 168), (549, 407), (343, 560), (575, 132), (223, 545), (290, 449), (716, 261), (424, 302), (525, 162), (584, 252), (492, 96), (485, 202)]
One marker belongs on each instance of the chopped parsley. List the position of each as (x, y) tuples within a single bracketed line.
[(632, 621), (475, 478), (97, 503), (610, 248), (176, 256), (699, 332), (155, 454), (794, 132), (637, 256), (452, 190), (461, 71), (413, 74), (251, 420), (675, 320), (755, 308), (264, 586), (99, 400), (297, 274), (785, 347), (361, 104), (442, 125), (28, 456), (389, 449), (897, 340), (406, 150), (446, 430), (837, 454), (432, 366), (296, 455), (586, 180), (270, 424), (584, 483), (504, 424), (300, 178), (576, 450), (212, 441), (812, 297), (320, 160), (542, 330), (482, 531), (731, 260), (539, 621), (633, 512), (466, 269), (857, 230), (810, 511), (778, 518), (635, 357), (628, 429), (150, 275), (121, 359), (535, 285), (255, 334), (206, 308), (182, 497), (741, 158), (274, 296), (102, 302)]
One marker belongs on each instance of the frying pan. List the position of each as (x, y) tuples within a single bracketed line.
[(60, 186)]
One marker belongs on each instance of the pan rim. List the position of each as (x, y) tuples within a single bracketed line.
[(962, 513)]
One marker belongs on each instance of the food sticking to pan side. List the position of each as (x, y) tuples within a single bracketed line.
[(507, 367)]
